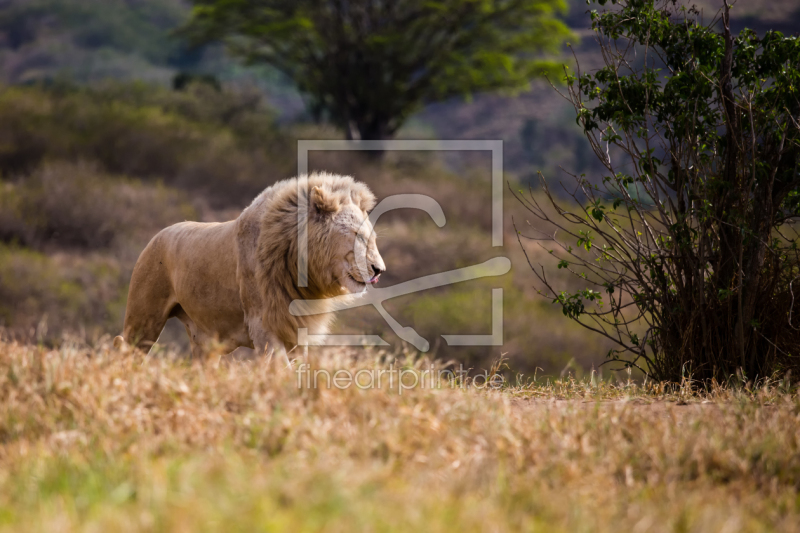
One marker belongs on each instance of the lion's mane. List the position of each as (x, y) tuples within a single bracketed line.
[(276, 273)]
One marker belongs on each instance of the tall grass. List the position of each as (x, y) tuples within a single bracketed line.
[(100, 439)]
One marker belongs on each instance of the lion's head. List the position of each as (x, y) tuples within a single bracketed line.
[(343, 252), (343, 256)]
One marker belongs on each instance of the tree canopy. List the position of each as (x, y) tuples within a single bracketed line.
[(366, 65)]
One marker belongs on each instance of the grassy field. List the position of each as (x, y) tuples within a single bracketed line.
[(102, 440)]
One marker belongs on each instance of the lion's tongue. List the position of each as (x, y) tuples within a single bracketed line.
[(374, 279)]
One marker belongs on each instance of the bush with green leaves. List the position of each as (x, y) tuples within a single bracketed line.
[(45, 297), (691, 231), (64, 205), (224, 145)]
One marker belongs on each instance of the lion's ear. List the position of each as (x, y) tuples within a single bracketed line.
[(323, 202), (363, 197)]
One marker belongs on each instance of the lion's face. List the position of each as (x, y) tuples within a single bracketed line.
[(356, 260), (344, 257)]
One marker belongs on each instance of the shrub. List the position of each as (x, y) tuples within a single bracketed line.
[(75, 205), (43, 296), (699, 134), (222, 145)]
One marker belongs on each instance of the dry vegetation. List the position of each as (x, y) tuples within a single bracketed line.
[(100, 440)]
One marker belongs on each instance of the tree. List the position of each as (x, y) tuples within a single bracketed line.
[(366, 65), (690, 234)]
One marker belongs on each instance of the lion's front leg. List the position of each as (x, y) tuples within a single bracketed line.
[(267, 343), (275, 347), (280, 353)]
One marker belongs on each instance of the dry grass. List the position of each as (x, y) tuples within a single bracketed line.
[(102, 440)]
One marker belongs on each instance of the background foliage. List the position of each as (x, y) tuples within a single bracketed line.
[(367, 65)]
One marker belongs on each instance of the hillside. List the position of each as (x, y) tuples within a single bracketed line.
[(88, 41), (93, 40), (538, 127)]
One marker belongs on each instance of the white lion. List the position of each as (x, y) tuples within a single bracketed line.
[(233, 281)]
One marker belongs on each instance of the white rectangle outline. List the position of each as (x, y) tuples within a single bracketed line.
[(305, 145)]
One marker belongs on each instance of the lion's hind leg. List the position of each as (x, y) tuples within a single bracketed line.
[(197, 340), (143, 330), (150, 303)]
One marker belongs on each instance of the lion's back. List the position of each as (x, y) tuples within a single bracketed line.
[(200, 257), (190, 263)]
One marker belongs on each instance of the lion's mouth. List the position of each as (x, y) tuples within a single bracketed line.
[(372, 280), (354, 279)]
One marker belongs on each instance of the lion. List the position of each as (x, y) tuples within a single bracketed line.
[(233, 281)]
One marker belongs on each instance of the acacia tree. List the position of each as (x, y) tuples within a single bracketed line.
[(366, 65), (690, 234)]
